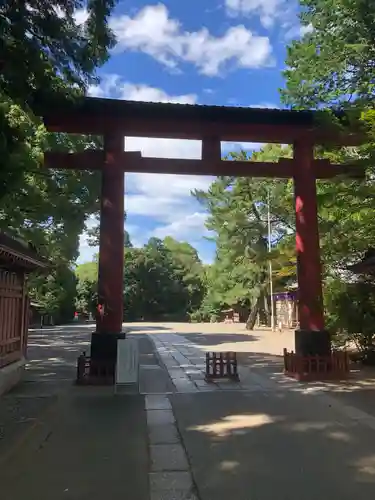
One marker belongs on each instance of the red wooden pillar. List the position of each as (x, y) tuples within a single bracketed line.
[(311, 338), (111, 253)]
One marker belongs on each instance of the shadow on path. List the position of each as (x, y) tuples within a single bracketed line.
[(207, 339), (91, 447), (268, 445)]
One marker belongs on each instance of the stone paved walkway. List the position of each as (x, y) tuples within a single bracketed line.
[(64, 442), (265, 437), (185, 362), (170, 475)]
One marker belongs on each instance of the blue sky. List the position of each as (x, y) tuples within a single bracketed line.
[(220, 52)]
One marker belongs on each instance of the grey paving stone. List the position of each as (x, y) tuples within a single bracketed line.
[(154, 381), (180, 358), (170, 363), (209, 388), (197, 377), (176, 373), (160, 417), (157, 402), (173, 495), (192, 368), (170, 481), (168, 457), (203, 383), (163, 434), (149, 367), (230, 387), (197, 360), (184, 385)]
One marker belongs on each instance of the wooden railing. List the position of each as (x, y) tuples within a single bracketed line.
[(94, 372), (333, 366), (14, 315), (221, 365)]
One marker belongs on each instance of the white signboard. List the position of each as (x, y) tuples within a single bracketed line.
[(127, 366)]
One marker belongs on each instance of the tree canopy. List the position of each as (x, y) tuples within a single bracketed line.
[(237, 209), (334, 61), (163, 280), (49, 50)]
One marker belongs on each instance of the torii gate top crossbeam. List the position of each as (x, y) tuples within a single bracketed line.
[(100, 116)]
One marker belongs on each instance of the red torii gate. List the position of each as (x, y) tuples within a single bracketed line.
[(115, 119)]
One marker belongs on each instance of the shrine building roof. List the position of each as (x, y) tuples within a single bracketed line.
[(18, 254)]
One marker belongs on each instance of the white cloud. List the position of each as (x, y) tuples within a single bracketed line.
[(184, 228), (165, 198), (112, 85), (165, 148), (283, 14), (86, 253), (233, 101), (167, 201), (267, 10), (106, 88), (298, 31), (80, 15), (153, 32), (152, 94), (265, 105)]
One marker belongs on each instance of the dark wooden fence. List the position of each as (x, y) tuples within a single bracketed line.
[(94, 372), (14, 317), (335, 366), (221, 365)]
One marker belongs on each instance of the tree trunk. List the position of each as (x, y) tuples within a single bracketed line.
[(250, 323), (267, 309)]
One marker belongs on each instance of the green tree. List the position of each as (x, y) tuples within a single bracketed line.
[(162, 281), (45, 55), (334, 62), (333, 65), (93, 234), (351, 314), (165, 293), (55, 292), (50, 207), (188, 269), (237, 210), (45, 50), (87, 287)]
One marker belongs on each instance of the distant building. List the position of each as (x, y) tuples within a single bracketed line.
[(230, 316), (286, 308)]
